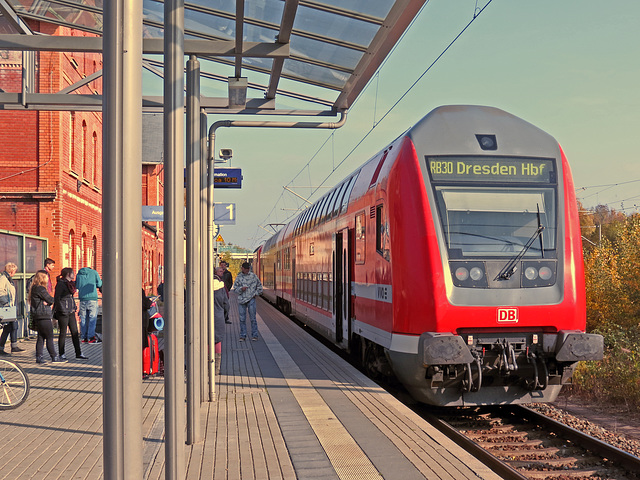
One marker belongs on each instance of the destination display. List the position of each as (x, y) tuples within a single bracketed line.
[(227, 178), (491, 169)]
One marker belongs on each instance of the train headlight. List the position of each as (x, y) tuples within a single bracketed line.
[(546, 273), (476, 274), (469, 274), (462, 274), (538, 273), (531, 273)]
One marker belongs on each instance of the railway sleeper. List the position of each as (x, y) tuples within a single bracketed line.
[(498, 451), (578, 474), (497, 437), (534, 444)]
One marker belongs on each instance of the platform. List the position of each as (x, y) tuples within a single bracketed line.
[(286, 408)]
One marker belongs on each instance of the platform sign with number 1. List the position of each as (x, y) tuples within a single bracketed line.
[(224, 213)]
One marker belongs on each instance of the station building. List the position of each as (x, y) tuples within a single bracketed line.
[(51, 165)]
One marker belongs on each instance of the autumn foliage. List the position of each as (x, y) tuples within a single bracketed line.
[(612, 273)]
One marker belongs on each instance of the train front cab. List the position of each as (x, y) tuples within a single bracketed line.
[(500, 318)]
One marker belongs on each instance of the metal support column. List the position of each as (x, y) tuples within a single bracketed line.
[(211, 273), (204, 259), (174, 238), (121, 227), (194, 158)]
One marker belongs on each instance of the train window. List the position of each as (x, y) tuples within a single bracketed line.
[(338, 200), (497, 221), (323, 211), (319, 211), (382, 233), (326, 293), (360, 238), (331, 200), (312, 216), (330, 291), (347, 193), (278, 258), (287, 258), (305, 278), (295, 230), (312, 249), (307, 217)]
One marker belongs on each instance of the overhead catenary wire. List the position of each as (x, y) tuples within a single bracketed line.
[(477, 12)]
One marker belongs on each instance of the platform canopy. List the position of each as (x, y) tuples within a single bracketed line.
[(318, 53)]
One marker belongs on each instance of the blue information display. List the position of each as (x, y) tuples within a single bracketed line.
[(227, 178)]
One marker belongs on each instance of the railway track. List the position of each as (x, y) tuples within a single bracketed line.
[(519, 443)]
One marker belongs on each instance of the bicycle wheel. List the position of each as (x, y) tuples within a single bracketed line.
[(14, 385)]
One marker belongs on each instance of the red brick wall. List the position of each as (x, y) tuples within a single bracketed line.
[(51, 163)]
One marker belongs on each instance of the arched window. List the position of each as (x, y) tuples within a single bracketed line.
[(84, 250), (72, 250), (72, 141), (95, 158), (94, 255), (85, 162)]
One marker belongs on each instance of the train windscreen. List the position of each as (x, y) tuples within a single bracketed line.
[(493, 207)]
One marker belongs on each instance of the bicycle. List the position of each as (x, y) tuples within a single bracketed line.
[(14, 385)]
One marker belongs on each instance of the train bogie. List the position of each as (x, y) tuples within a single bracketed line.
[(452, 259)]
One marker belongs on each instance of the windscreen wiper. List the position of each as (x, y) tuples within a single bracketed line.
[(510, 268)]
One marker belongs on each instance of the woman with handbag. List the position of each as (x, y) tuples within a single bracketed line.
[(8, 299), (41, 312), (64, 309)]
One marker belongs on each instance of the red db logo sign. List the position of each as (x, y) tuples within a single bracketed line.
[(507, 315)]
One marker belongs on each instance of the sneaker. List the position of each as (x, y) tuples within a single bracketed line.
[(41, 361), (63, 358), (81, 357), (254, 339), (59, 360), (93, 340), (242, 339), (84, 340), (16, 349)]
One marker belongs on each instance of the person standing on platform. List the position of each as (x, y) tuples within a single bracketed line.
[(64, 310), (8, 299), (220, 312), (49, 265), (227, 278), (40, 302), (247, 286), (88, 282)]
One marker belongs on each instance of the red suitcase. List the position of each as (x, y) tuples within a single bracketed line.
[(150, 357)]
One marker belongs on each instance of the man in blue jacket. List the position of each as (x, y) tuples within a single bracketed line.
[(88, 282)]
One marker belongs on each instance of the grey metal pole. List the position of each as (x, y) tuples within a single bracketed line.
[(121, 227), (210, 267), (174, 237), (194, 433), (204, 257)]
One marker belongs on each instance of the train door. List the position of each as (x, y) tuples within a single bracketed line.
[(342, 286)]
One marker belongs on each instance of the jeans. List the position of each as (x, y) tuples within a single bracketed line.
[(88, 313), (242, 311), (9, 328)]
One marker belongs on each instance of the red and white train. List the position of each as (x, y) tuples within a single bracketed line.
[(452, 259)]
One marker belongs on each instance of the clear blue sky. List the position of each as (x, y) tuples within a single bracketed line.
[(570, 67)]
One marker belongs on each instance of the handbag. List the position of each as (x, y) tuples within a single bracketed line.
[(42, 310)]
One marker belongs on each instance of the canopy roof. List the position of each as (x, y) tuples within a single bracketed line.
[(318, 51)]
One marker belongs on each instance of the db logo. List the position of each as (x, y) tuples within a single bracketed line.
[(507, 315)]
